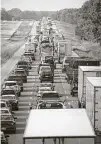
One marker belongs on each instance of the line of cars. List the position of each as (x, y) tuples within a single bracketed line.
[(11, 90), (47, 97)]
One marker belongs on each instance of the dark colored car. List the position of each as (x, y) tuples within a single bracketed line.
[(30, 54), (8, 123), (24, 64), (45, 74)]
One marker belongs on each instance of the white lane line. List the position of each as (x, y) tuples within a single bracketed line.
[(62, 82)]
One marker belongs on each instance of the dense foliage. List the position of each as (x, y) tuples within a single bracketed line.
[(87, 19)]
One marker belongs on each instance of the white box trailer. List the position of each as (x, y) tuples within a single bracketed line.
[(64, 49), (93, 102), (65, 126), (83, 72)]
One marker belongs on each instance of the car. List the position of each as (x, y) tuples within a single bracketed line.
[(12, 84), (47, 85), (24, 63), (13, 77), (4, 138), (50, 59), (46, 64), (21, 73), (42, 89), (8, 123), (49, 96), (27, 58), (12, 99), (51, 105), (21, 70), (29, 53), (45, 74), (8, 91)]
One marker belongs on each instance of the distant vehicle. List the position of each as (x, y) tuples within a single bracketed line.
[(30, 54), (3, 137), (5, 111), (50, 59), (13, 85), (42, 90), (47, 85), (6, 105), (9, 91), (50, 105), (8, 123), (17, 78), (45, 64), (49, 96), (12, 99), (24, 63), (45, 74)]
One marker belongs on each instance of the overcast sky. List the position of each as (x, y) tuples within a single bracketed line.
[(41, 5)]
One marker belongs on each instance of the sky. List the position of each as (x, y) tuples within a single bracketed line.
[(41, 5)]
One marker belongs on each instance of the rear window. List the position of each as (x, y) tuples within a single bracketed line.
[(45, 69), (22, 63), (51, 106), (10, 84), (8, 97), (50, 95), (5, 92)]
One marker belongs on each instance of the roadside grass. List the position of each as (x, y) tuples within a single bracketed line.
[(68, 30), (9, 47)]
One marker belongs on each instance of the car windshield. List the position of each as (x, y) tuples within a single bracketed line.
[(19, 72), (50, 96), (22, 63), (45, 68), (8, 97), (3, 105), (4, 111), (45, 85), (6, 117), (50, 106), (10, 84), (6, 92)]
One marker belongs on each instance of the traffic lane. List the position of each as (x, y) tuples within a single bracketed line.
[(10, 64)]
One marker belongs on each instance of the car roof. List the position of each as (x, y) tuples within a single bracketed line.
[(10, 81), (8, 88), (8, 95), (50, 92)]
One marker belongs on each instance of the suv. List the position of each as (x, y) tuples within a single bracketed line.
[(45, 74), (12, 99), (9, 91), (8, 123), (14, 85)]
